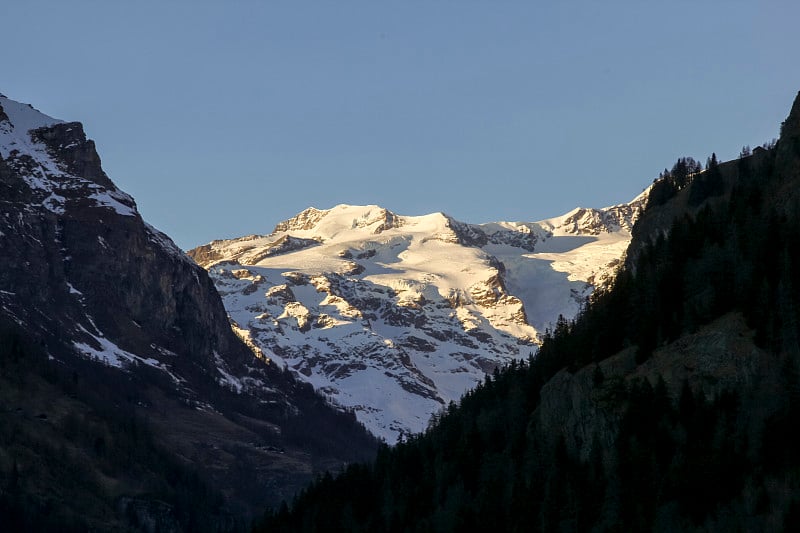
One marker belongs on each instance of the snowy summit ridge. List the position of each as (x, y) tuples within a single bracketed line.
[(28, 140), (395, 316)]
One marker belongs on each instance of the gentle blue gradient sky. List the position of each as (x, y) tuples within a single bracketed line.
[(222, 118)]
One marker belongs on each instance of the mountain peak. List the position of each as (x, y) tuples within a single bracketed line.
[(340, 218), (56, 161), (304, 220), (23, 117), (789, 145), (794, 115)]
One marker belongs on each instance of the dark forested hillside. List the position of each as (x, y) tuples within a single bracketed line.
[(69, 449), (669, 404), (85, 447)]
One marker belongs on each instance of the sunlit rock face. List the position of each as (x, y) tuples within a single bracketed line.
[(395, 316)]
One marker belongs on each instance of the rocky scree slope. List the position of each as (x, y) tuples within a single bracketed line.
[(85, 278), (395, 316)]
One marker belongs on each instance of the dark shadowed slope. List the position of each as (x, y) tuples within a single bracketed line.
[(121, 343)]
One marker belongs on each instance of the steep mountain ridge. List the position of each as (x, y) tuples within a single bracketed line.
[(85, 278), (395, 316), (125, 293)]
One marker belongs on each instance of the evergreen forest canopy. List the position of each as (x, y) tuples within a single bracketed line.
[(78, 454), (714, 247), (58, 468)]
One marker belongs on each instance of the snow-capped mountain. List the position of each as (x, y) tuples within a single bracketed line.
[(395, 316)]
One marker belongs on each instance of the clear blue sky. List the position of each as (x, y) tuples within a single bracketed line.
[(222, 118)]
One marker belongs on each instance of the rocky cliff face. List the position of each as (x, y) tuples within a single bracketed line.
[(393, 316), (84, 276), (81, 267)]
